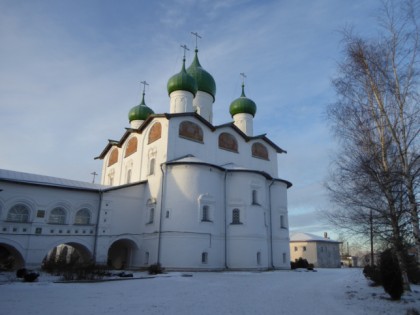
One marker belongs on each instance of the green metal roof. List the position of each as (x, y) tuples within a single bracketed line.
[(243, 105), (182, 81), (140, 112), (205, 81)]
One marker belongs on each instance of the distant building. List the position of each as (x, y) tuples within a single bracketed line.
[(320, 251)]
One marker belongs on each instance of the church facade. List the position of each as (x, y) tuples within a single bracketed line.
[(175, 189)]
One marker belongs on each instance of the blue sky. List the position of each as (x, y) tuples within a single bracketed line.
[(70, 70)]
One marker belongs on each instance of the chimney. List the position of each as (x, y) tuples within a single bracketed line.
[(325, 235)]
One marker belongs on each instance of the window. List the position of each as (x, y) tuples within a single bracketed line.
[(228, 142), (113, 157), (82, 217), (128, 176), (304, 248), (131, 147), (151, 215), (18, 213), (146, 258), (40, 214), (57, 216), (259, 151), (284, 258), (282, 222), (167, 214), (236, 219), (255, 197), (152, 166), (204, 257), (296, 249), (205, 214), (258, 258), (155, 133), (190, 131)]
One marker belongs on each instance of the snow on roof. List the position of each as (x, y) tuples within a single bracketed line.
[(308, 237), (233, 166), (20, 177)]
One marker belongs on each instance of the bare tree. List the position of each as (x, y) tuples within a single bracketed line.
[(376, 118)]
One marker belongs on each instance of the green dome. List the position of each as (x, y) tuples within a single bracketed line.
[(205, 81), (243, 105), (140, 112), (182, 82)]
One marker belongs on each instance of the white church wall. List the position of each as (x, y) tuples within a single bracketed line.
[(121, 218), (188, 188), (42, 234), (248, 235)]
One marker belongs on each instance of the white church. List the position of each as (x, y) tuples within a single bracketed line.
[(175, 189)]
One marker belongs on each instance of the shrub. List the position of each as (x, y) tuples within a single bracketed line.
[(20, 273), (155, 269), (30, 276), (391, 275), (310, 267), (412, 311), (373, 273), (413, 271)]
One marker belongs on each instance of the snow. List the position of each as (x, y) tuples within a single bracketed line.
[(307, 237), (326, 292)]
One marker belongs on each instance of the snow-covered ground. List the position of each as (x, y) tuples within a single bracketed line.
[(325, 292)]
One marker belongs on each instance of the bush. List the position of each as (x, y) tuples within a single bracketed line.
[(413, 271), (373, 273), (84, 272), (30, 276), (155, 269), (20, 273), (391, 275)]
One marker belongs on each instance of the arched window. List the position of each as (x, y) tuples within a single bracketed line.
[(113, 157), (131, 147), (128, 176), (190, 131), (146, 258), (82, 217), (259, 258), (228, 142), (152, 166), (282, 222), (151, 215), (18, 213), (259, 151), (57, 216), (155, 133), (255, 197), (204, 257), (205, 215), (236, 216)]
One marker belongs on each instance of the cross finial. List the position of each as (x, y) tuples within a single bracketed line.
[(196, 39), (243, 77), (185, 49), (94, 175), (144, 85)]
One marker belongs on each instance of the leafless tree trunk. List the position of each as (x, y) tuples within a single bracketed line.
[(377, 120)]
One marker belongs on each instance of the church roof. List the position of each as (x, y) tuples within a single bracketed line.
[(243, 105), (140, 112), (28, 178), (182, 81), (230, 167), (308, 237), (119, 143), (205, 81)]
